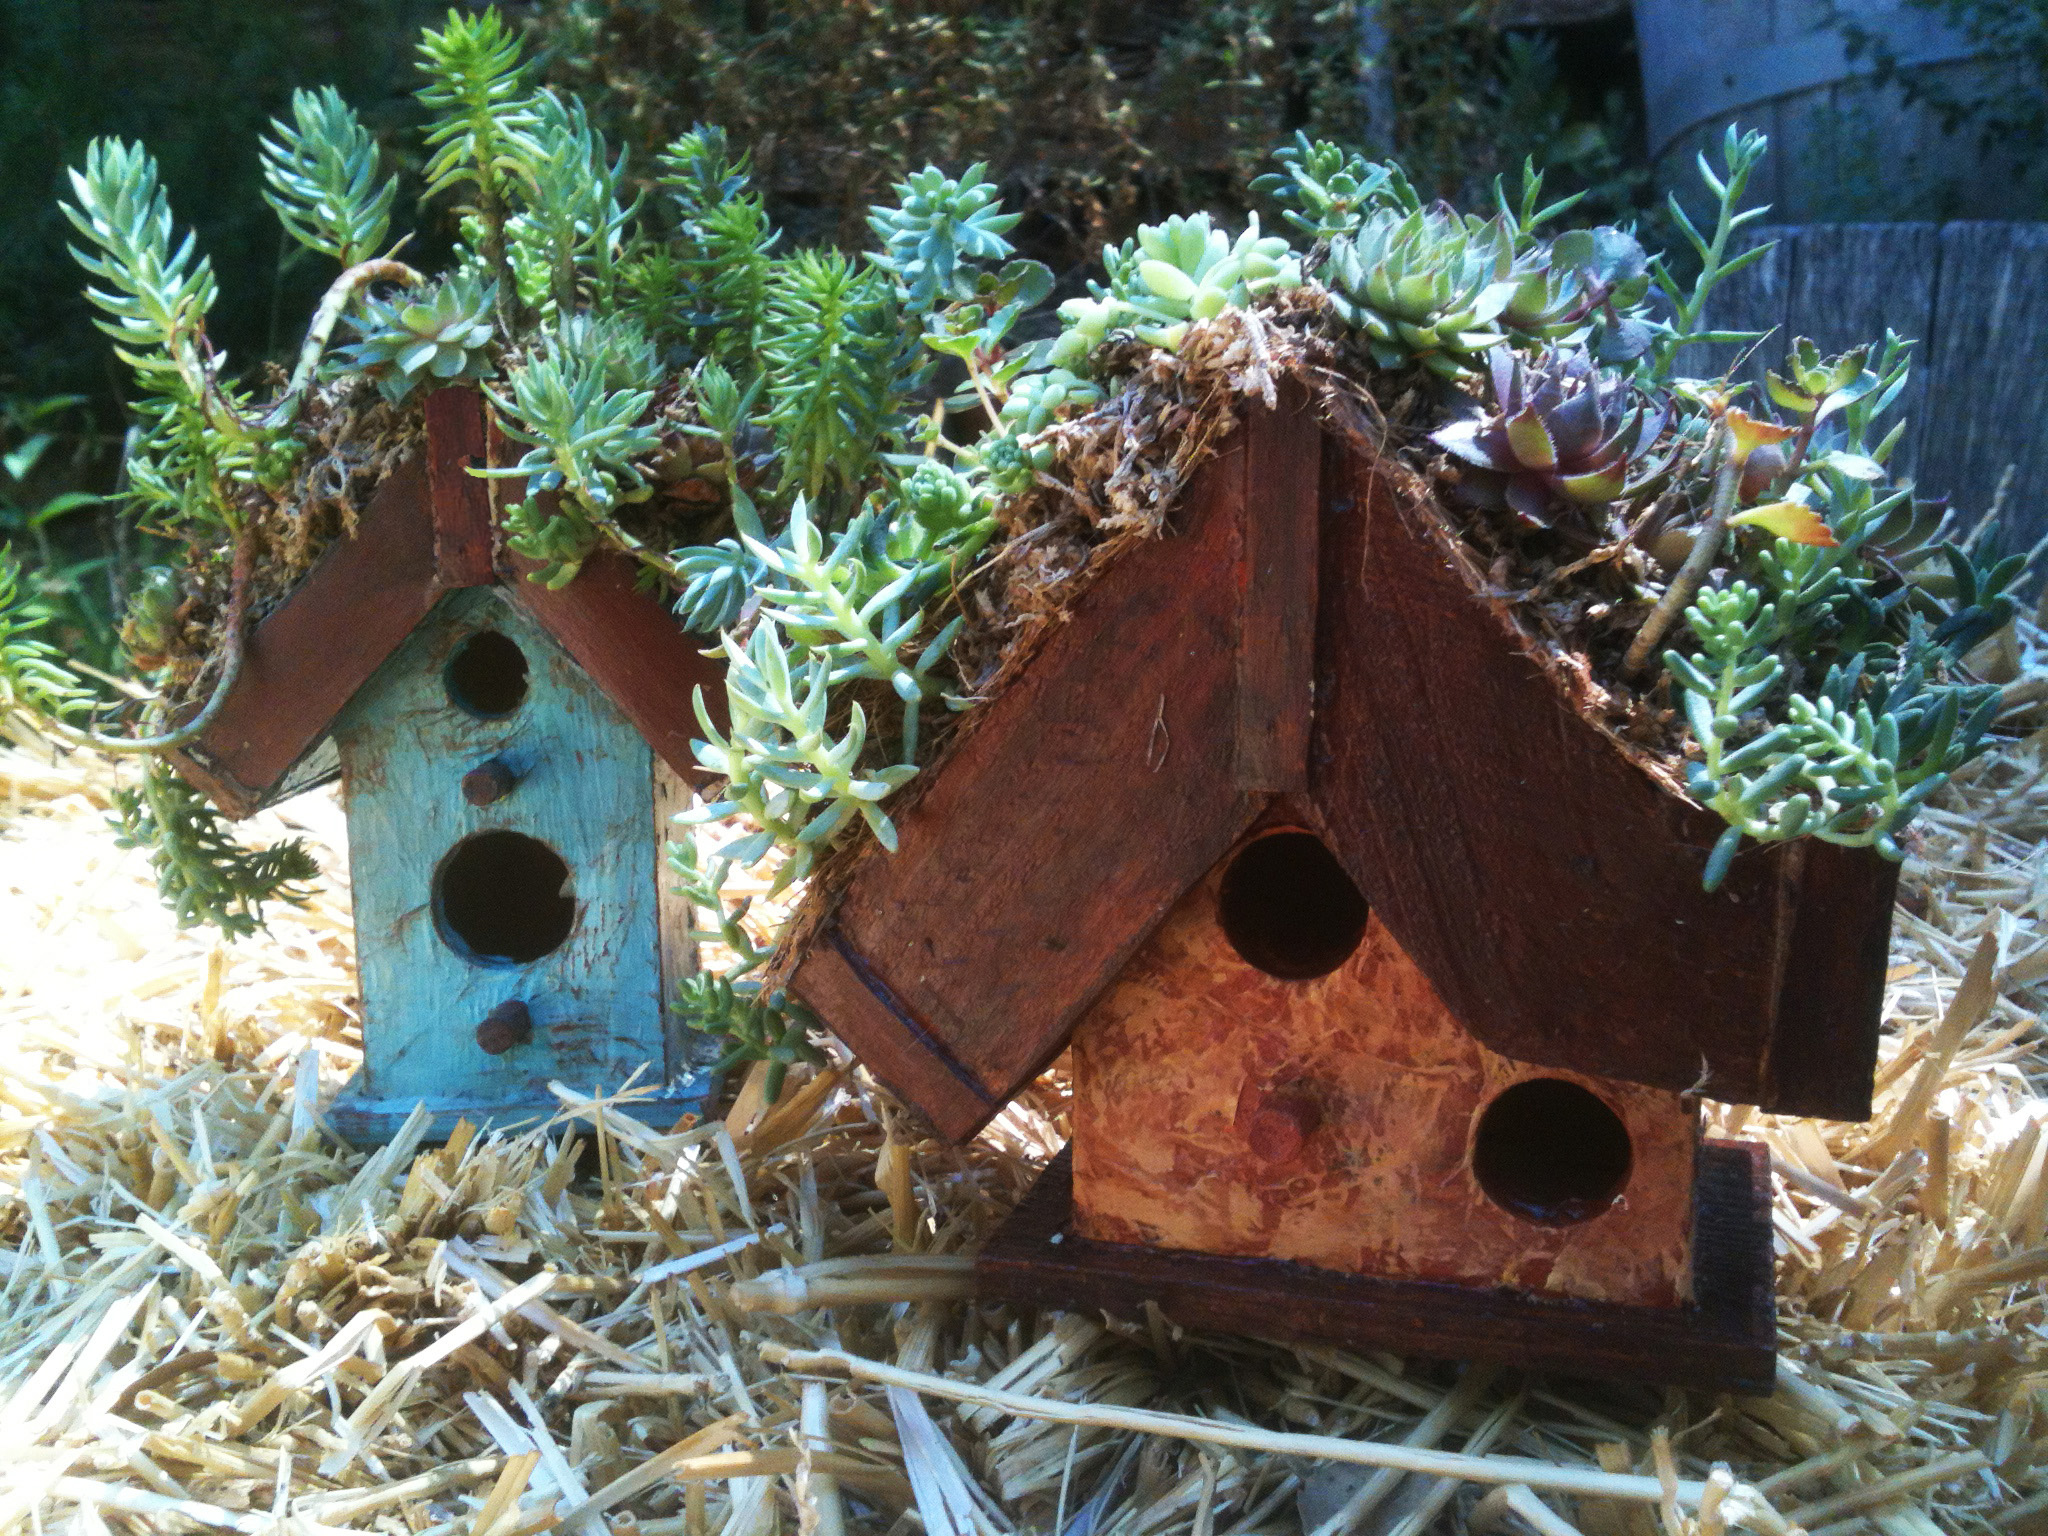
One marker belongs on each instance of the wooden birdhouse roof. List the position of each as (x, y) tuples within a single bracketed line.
[(1311, 638), (427, 532)]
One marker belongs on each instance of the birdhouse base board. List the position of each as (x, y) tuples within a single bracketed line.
[(363, 1121), (1724, 1341)]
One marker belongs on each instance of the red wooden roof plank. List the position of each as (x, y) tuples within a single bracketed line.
[(1276, 651), (429, 530), (1081, 806), (306, 659), (463, 528), (1547, 886)]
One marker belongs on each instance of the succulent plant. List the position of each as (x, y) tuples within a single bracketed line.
[(941, 500), (1426, 287), (580, 401), (938, 227), (1037, 400), (321, 175), (440, 335), (1586, 285), (1560, 443), (1171, 274), (1326, 191), (1813, 387), (1011, 464)]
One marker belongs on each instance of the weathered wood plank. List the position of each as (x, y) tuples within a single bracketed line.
[(1987, 379), (841, 989), (1548, 887), (1837, 928), (462, 501), (1276, 651), (306, 659), (1725, 1341), (1083, 802)]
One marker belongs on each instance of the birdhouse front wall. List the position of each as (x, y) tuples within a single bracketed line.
[(504, 848), (1347, 1120)]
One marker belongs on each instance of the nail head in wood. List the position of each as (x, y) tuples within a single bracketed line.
[(489, 783), (505, 1026)]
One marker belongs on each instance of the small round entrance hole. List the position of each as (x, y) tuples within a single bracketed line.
[(1551, 1152), (487, 676), (502, 898), (1288, 907)]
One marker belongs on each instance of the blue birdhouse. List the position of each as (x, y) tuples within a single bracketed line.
[(510, 758)]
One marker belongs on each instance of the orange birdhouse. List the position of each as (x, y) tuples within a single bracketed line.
[(1389, 979)]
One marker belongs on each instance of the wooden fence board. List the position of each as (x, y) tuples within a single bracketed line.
[(1989, 355)]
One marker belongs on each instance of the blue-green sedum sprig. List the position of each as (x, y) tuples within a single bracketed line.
[(581, 402), (321, 174)]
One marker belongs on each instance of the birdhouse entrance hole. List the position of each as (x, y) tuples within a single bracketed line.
[(1551, 1152), (486, 676), (502, 898), (1288, 908)]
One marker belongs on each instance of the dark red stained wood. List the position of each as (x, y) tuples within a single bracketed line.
[(1276, 655), (1080, 806), (461, 501), (632, 647), (232, 799), (1831, 993), (309, 656), (1549, 888), (1725, 1341), (895, 1047)]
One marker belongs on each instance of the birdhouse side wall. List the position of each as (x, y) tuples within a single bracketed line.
[(585, 790), (1174, 1063)]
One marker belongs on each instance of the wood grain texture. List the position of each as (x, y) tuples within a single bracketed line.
[(364, 1121), (1548, 887), (632, 647), (1083, 803), (462, 502), (586, 791), (893, 1044), (1277, 630), (307, 658), (1990, 334), (1725, 1340), (1837, 939), (1172, 1065)]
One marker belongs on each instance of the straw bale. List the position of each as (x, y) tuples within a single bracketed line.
[(215, 1316)]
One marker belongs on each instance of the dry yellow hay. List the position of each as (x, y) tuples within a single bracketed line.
[(213, 1316)]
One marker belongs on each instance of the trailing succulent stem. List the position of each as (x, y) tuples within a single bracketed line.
[(756, 1023), (322, 179), (202, 873)]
